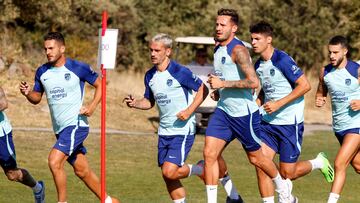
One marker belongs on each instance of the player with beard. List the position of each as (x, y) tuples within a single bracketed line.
[(341, 80), (237, 114), (63, 79), (170, 86)]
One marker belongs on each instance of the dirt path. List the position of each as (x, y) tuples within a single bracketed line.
[(311, 128)]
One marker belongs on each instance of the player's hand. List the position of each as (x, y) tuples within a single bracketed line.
[(24, 88), (183, 115), (320, 101), (130, 101), (271, 107), (355, 105), (215, 95), (215, 82), (86, 111)]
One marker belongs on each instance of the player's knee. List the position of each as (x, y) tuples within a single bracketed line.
[(255, 160), (12, 175), (169, 173), (54, 165), (82, 173), (339, 165), (210, 155), (287, 174)]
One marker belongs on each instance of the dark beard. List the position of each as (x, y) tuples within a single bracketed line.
[(339, 62)]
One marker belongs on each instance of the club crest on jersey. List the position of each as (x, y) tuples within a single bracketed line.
[(195, 77), (223, 59), (67, 76), (169, 82), (272, 72), (295, 69), (348, 82)]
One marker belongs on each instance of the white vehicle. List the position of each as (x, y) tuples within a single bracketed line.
[(205, 110)]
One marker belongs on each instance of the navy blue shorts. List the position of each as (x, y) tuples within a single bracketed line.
[(174, 148), (341, 134), (245, 128), (70, 141), (286, 140), (7, 152)]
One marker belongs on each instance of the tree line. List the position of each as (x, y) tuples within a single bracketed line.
[(302, 28)]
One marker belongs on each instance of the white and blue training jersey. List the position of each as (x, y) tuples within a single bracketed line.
[(172, 91), (64, 88), (5, 124), (343, 86), (235, 102), (277, 78)]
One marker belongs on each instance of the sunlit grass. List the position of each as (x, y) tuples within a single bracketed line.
[(133, 175)]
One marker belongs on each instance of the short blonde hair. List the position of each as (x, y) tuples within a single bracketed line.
[(163, 38)]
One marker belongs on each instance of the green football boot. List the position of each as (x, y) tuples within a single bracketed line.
[(327, 170)]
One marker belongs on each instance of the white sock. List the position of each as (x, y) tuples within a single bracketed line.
[(108, 199), (211, 191), (229, 187), (182, 200), (316, 163), (195, 169), (333, 198), (62, 202), (279, 182), (268, 199), (37, 188)]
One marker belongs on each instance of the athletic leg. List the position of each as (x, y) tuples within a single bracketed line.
[(295, 170), (175, 188), (226, 182), (56, 161), (265, 183), (87, 175), (348, 150), (83, 171), (172, 174), (22, 176), (212, 150), (356, 162)]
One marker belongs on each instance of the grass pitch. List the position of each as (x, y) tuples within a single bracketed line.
[(133, 175)]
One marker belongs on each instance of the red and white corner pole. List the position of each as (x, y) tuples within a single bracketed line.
[(103, 113)]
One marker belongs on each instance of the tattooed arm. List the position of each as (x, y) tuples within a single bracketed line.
[(241, 57)]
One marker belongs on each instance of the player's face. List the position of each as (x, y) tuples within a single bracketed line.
[(337, 53), (158, 52), (54, 50), (260, 42), (225, 28)]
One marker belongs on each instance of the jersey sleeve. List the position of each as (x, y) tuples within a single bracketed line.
[(189, 79), (290, 70), (148, 93), (38, 87), (87, 74)]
